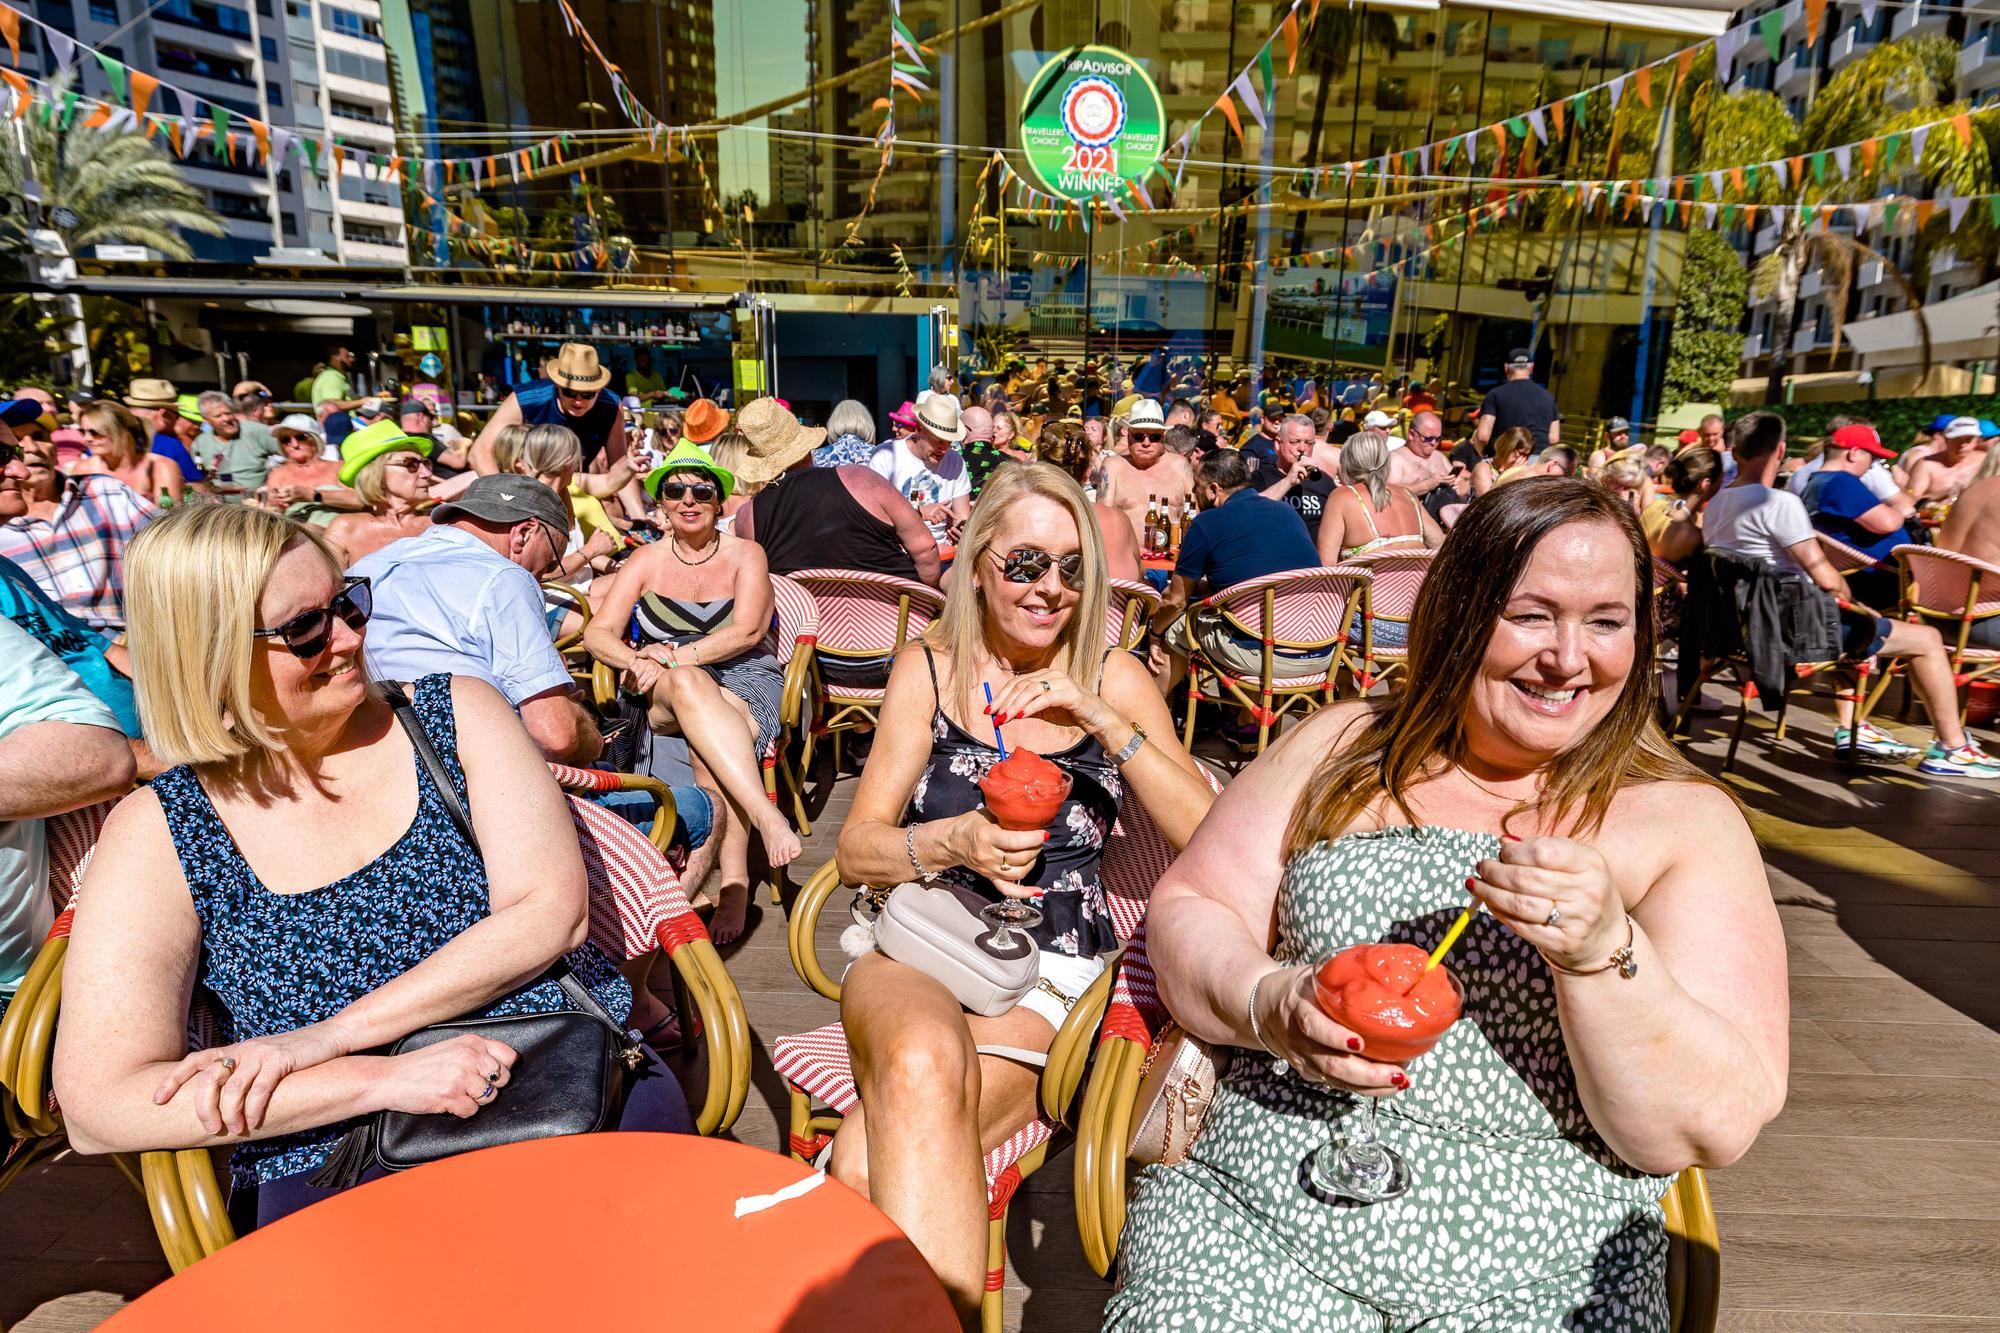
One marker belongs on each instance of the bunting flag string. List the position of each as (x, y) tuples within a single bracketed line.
[(512, 253), (907, 72)]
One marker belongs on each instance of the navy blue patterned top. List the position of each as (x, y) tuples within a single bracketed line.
[(277, 962)]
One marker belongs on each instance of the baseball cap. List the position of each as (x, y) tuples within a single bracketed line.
[(1863, 438), (372, 407), (1378, 421), (412, 406), (22, 412), (1988, 428), (1941, 420), (1616, 424), (1689, 436), (1520, 356), (298, 423), (507, 497), (1959, 426)]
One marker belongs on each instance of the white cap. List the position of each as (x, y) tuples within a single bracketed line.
[(302, 423), (1961, 426), (1378, 421)]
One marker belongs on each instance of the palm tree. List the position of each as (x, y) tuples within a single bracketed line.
[(1895, 87), (100, 186)]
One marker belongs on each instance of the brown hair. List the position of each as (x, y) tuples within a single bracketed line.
[(1462, 597), (1514, 443), (1064, 445)]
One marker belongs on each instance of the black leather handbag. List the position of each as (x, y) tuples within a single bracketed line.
[(574, 1070)]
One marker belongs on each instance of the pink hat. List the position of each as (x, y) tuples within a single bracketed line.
[(906, 415)]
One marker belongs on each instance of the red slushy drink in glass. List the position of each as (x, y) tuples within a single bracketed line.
[(1382, 994), (1024, 791)]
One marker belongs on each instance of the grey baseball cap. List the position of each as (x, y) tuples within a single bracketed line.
[(506, 497), (1616, 424)]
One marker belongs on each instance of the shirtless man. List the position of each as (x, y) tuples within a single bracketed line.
[(1150, 469), (1419, 466), (1951, 465)]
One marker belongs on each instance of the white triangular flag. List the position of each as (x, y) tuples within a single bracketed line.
[(1843, 157), (1618, 89), (1710, 210), (1917, 137), (1727, 43), (1864, 218), (1715, 183), (1783, 171), (62, 48), (1868, 12), (1535, 121), (1954, 208)]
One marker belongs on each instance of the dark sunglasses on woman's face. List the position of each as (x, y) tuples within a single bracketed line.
[(701, 490), (307, 634), (1027, 564)]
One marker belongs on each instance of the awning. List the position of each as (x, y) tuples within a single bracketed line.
[(358, 285), (1695, 20)]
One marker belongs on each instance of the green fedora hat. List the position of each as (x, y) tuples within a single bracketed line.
[(364, 446), (690, 457)]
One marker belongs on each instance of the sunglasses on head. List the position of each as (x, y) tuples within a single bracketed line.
[(307, 634), (702, 491), (1027, 564)]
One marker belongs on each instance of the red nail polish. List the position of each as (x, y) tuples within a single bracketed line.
[(1354, 1043), (1400, 1079), (1470, 883), (1045, 835)]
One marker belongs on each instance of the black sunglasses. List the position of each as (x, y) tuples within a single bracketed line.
[(701, 490), (1027, 564), (9, 453), (308, 633)]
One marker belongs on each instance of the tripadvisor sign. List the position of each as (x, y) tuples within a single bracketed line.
[(1090, 121)]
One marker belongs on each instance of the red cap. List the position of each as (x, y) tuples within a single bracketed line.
[(1863, 438), (1690, 437)]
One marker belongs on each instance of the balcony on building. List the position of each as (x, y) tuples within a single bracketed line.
[(1979, 63), (373, 252), (1855, 40), (1873, 273), (1753, 347), (1927, 16), (1795, 71), (1811, 285)]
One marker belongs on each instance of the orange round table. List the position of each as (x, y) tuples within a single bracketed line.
[(594, 1231), (1161, 563)]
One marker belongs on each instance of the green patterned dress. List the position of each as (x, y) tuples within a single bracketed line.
[(1519, 1217)]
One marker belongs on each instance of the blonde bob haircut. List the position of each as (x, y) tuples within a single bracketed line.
[(192, 580), (960, 630), (547, 451), (508, 443)]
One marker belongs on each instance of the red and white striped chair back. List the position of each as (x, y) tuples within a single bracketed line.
[(1844, 558), (1135, 856), (1309, 611), (858, 610), (1665, 574), (1395, 576), (636, 900), (1138, 601), (1134, 1012), (797, 616), (1941, 582), (72, 838)]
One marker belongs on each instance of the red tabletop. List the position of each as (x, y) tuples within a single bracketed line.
[(1163, 563), (591, 1231)]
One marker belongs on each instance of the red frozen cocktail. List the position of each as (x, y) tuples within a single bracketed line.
[(1382, 994), (1024, 791)]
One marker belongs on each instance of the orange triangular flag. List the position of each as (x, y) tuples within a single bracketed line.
[(1815, 12), (1962, 125), (1736, 179), (1868, 154), (97, 117), (1926, 208), (1798, 166), (143, 86), (1683, 62), (1290, 28), (1642, 83), (263, 133), (1227, 106), (10, 28), (1556, 116)]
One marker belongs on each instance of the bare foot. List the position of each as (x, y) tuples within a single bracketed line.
[(781, 844), (727, 923)]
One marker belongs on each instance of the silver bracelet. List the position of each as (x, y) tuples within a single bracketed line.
[(910, 846), (1255, 1031)]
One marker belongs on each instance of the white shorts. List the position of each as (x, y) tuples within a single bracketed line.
[(1065, 977)]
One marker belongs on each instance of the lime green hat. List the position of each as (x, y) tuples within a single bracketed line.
[(364, 446), (690, 457), (189, 406)]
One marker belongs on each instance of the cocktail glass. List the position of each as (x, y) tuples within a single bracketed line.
[(1358, 1165), (1008, 918)]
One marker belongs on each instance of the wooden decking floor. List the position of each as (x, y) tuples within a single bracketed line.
[(1871, 1205)]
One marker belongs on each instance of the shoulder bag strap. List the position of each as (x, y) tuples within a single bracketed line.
[(427, 755)]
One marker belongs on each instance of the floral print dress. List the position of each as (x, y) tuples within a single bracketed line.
[(1076, 920), (1519, 1216)]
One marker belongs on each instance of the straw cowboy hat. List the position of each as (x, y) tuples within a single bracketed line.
[(576, 369), (151, 395), (938, 413), (776, 440), (704, 421)]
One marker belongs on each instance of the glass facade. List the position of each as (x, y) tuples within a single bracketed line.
[(1260, 249)]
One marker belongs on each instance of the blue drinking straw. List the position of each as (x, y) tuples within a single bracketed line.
[(996, 721)]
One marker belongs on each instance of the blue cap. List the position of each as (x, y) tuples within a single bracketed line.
[(1943, 419), (1987, 429)]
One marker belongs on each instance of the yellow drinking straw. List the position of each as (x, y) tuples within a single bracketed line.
[(1451, 936)]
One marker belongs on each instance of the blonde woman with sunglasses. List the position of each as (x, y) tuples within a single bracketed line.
[(1023, 620)]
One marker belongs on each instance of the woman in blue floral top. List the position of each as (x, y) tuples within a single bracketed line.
[(299, 865), (1024, 617)]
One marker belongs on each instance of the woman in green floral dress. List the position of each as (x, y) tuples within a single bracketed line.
[(1625, 992)]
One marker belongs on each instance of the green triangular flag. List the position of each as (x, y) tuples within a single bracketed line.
[(1576, 109), (1270, 75), (1518, 126), (1890, 144), (1889, 212), (70, 99), (1750, 180), (1450, 151), (114, 74), (1728, 216), (312, 153), (1819, 167), (1772, 26), (1993, 207), (218, 116)]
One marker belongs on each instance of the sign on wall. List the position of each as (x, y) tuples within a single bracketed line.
[(1090, 120)]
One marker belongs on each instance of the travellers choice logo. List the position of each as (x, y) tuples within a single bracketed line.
[(1090, 121)]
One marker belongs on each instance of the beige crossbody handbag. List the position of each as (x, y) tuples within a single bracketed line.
[(937, 930), (1176, 1088)]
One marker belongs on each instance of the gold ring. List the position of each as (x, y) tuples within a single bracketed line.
[(228, 1063)]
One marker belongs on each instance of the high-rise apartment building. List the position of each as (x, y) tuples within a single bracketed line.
[(311, 65)]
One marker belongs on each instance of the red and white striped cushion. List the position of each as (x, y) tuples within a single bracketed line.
[(797, 614), (1394, 578), (1844, 558), (818, 1063), (1943, 580), (1309, 611), (1120, 594), (636, 901), (856, 694), (72, 838)]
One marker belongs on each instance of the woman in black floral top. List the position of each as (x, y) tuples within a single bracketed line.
[(1024, 617)]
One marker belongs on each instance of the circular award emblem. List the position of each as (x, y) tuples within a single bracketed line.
[(1090, 121)]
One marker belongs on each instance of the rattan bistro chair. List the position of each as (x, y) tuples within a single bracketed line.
[(636, 904), (1304, 611), (863, 616), (1395, 574), (1953, 592), (1128, 612), (817, 1066), (1134, 1018)]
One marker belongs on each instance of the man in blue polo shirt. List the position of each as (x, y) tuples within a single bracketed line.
[(1850, 512), (1238, 536)]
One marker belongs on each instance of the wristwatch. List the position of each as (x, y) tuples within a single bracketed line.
[(1131, 747)]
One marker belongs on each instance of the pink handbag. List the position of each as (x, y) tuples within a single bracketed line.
[(1177, 1085)]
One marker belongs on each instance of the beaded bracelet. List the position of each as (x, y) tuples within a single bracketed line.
[(910, 846), (1623, 959)]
